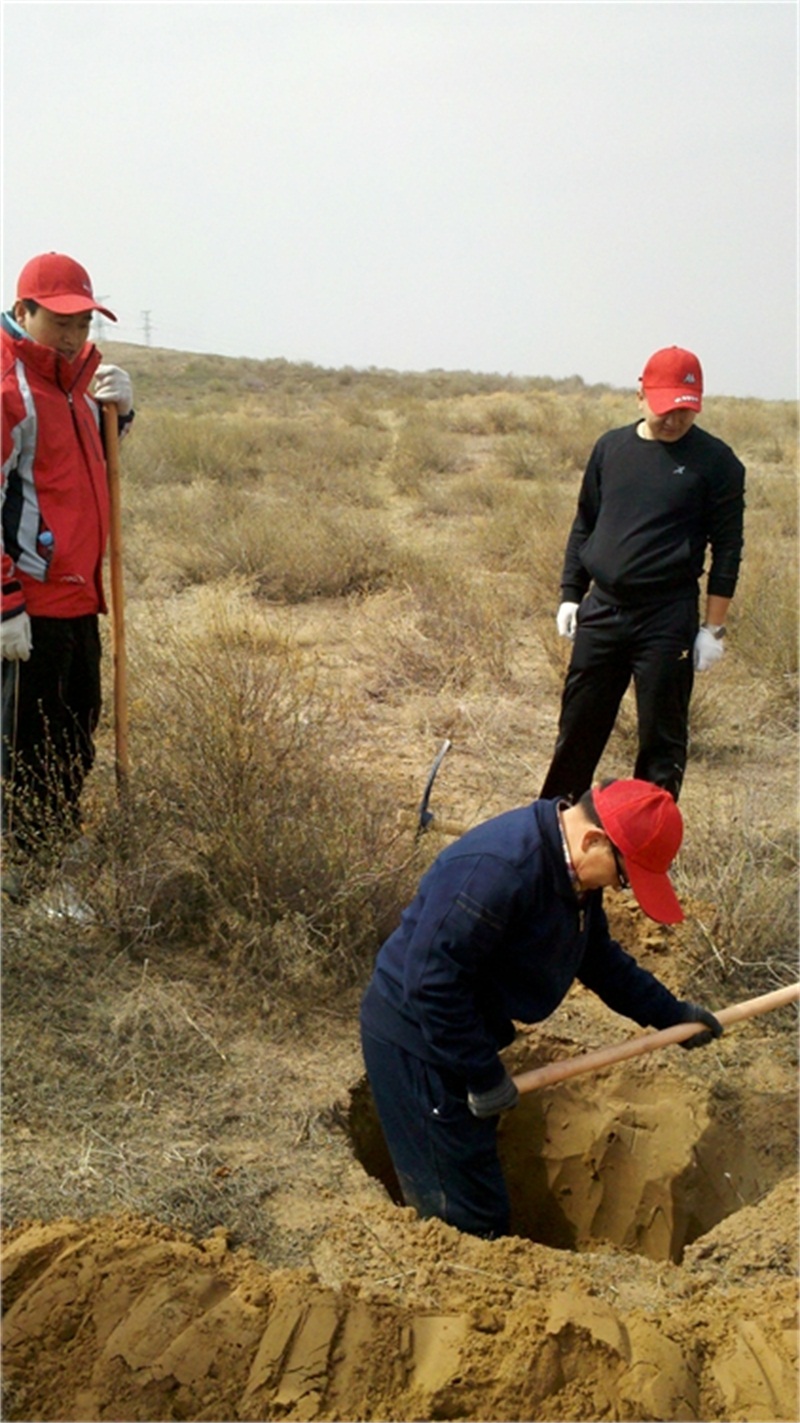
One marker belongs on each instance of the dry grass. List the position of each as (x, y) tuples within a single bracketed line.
[(97, 1051), (439, 506), (249, 792), (326, 573), (291, 549)]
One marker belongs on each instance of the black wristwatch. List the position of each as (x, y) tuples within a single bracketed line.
[(718, 632)]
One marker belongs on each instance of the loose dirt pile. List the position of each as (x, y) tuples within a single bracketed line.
[(123, 1319), (652, 1276)]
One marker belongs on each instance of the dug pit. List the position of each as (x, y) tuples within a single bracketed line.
[(121, 1317), (629, 1158)]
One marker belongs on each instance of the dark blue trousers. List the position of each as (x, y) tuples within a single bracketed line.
[(446, 1160)]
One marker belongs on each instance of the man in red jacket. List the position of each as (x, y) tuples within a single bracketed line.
[(55, 526)]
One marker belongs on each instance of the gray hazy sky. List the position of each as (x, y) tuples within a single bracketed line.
[(539, 189)]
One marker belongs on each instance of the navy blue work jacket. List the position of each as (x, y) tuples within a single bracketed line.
[(496, 933)]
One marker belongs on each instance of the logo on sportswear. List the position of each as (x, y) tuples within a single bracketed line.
[(689, 379), (679, 469), (683, 656)]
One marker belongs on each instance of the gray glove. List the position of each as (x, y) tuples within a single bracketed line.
[(693, 1013), (498, 1099), (15, 638)]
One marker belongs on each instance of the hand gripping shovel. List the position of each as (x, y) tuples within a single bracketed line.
[(648, 1042)]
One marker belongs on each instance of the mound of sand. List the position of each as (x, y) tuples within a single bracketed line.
[(123, 1319), (651, 1273)]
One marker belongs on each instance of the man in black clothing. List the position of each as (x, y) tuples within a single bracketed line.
[(656, 495)]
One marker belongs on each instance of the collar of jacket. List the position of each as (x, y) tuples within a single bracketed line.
[(546, 812), (73, 377)]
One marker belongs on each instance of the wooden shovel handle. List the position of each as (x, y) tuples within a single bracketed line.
[(111, 433), (648, 1042)]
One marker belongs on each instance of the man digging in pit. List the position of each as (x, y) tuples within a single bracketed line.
[(504, 921)]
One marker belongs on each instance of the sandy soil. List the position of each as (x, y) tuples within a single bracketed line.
[(652, 1276)]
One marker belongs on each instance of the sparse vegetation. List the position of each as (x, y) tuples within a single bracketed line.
[(327, 573), (270, 486)]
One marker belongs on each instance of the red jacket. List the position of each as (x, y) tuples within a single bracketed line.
[(54, 484)]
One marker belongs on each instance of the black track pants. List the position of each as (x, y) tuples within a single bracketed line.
[(51, 706), (654, 646)]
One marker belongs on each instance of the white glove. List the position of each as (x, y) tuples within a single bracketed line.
[(15, 636), (566, 620), (708, 649), (114, 384)]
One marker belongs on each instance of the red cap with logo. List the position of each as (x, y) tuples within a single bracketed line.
[(672, 380), (644, 824), (58, 284)]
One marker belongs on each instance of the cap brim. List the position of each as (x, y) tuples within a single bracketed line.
[(662, 401), (654, 894), (71, 305)]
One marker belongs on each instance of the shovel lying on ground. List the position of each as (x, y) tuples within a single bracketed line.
[(648, 1042)]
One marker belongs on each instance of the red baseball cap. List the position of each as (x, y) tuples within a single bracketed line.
[(673, 380), (58, 284), (643, 822)]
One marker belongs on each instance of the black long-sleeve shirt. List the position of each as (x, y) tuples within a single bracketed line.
[(648, 511)]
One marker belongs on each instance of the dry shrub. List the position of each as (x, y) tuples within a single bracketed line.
[(764, 616), (172, 449), (558, 435), (154, 1020), (331, 459), (758, 430), (106, 1061), (422, 448), (468, 416), (40, 810), (495, 414), (321, 454), (452, 629), (527, 535), (525, 457), (293, 550), (364, 411), (481, 492), (245, 775), (772, 504), (329, 553), (575, 418), (739, 877)]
